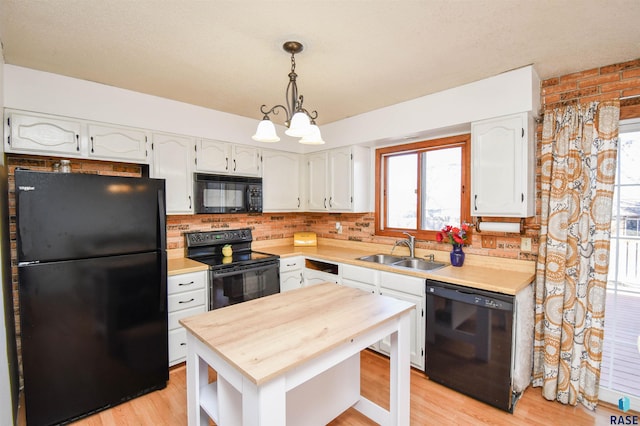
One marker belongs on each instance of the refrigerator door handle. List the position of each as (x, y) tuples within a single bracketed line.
[(163, 281), (162, 220), (162, 235)]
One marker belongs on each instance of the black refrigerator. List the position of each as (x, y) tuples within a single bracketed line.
[(92, 285)]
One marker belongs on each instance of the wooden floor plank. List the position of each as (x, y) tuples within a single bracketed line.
[(431, 404)]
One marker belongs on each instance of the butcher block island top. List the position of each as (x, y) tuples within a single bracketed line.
[(266, 337)]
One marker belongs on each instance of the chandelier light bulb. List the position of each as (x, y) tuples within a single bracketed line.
[(266, 132), (312, 138), (300, 125)]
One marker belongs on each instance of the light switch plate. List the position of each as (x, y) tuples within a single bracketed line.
[(525, 244)]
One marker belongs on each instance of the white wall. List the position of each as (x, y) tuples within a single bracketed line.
[(439, 114), (444, 113)]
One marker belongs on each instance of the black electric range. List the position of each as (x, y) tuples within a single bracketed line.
[(243, 275)]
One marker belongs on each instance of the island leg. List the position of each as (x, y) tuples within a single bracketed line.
[(264, 405), (197, 376), (400, 378)]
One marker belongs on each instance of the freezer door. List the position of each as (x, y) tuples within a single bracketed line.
[(64, 216), (94, 333)]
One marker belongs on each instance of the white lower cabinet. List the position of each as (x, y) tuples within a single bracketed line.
[(398, 286), (363, 278), (186, 296), (320, 271), (291, 273), (410, 289)]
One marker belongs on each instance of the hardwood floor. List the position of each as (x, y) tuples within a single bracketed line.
[(431, 404)]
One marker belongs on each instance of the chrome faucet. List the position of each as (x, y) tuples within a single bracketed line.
[(409, 242)]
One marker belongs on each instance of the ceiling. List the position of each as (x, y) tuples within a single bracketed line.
[(358, 56)]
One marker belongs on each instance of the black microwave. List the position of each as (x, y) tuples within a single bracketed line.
[(226, 194)]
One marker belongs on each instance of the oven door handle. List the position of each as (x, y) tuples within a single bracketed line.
[(241, 270)]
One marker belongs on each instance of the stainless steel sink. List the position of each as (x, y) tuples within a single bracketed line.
[(421, 264), (403, 262), (385, 259)]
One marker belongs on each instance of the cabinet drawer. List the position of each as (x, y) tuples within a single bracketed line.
[(357, 273), (291, 264), (188, 299), (403, 283), (174, 317), (177, 345), (186, 282)]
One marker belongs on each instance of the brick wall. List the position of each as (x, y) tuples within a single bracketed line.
[(597, 84)]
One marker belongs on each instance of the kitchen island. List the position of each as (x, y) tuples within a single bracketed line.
[(294, 358)]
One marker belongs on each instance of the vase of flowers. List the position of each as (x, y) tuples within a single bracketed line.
[(457, 237)]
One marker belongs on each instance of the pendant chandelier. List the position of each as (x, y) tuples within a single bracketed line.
[(300, 122)]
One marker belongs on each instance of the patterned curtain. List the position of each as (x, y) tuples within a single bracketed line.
[(578, 165)]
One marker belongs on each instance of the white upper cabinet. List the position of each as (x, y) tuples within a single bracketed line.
[(223, 157), (317, 181), (212, 156), (281, 185), (33, 133), (118, 143), (338, 180), (503, 167), (40, 134), (173, 160), (246, 160)]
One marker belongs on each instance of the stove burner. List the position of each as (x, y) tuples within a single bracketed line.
[(206, 247)]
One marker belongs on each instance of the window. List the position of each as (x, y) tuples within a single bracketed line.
[(422, 187), (620, 374)]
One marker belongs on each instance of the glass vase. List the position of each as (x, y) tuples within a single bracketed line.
[(457, 255)]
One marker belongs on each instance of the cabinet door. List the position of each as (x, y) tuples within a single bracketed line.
[(499, 167), (317, 179), (117, 143), (173, 161), (291, 281), (417, 327), (340, 177), (213, 156), (43, 134), (245, 160), (280, 181)]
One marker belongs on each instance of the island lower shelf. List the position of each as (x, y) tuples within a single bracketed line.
[(307, 403)]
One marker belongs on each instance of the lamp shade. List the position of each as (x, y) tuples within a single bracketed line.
[(312, 138), (300, 125), (266, 132)]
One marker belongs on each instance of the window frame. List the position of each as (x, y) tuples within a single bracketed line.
[(463, 141)]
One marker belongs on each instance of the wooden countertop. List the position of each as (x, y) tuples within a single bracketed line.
[(505, 276), (182, 265), (263, 338)]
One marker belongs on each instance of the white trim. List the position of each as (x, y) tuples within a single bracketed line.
[(612, 397)]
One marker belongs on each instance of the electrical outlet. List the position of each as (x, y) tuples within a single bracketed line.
[(338, 227), (525, 244), (488, 241)]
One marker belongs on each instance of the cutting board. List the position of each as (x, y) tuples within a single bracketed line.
[(305, 239)]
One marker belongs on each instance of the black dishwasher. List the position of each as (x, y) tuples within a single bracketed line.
[(468, 342)]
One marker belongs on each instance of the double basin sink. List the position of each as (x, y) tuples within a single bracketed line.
[(404, 262)]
